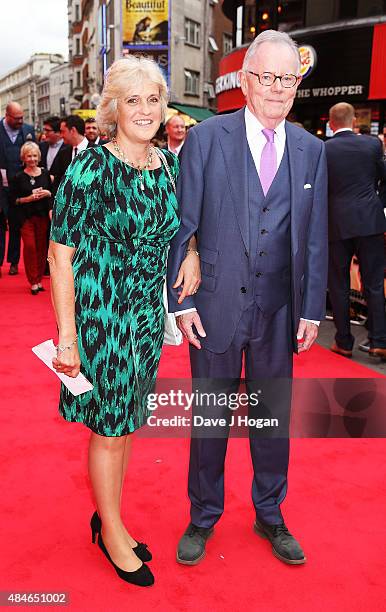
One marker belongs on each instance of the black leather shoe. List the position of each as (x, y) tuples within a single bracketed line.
[(141, 550), (141, 577), (13, 270), (284, 545), (191, 547)]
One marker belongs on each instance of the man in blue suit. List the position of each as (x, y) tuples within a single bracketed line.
[(253, 188), (356, 227), (13, 134)]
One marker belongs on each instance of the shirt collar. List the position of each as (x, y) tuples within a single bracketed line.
[(253, 126), (9, 129), (82, 145), (343, 130), (57, 145), (177, 149)]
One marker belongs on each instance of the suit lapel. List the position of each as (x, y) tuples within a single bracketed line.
[(297, 169), (233, 142)]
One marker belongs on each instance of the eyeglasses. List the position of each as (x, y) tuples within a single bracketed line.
[(268, 79), (48, 130)]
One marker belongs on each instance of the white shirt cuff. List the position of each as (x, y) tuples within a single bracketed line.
[(181, 312), (310, 321)]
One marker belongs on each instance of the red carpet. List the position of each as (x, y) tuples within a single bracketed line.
[(336, 503)]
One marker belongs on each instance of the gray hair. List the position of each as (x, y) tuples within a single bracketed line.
[(271, 36)]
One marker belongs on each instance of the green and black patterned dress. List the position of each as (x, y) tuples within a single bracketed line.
[(121, 234)]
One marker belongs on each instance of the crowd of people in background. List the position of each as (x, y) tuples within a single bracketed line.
[(30, 177)]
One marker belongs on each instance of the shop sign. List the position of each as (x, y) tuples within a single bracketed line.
[(308, 59), (161, 56), (227, 82), (337, 90)]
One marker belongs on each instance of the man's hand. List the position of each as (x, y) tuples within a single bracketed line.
[(308, 332), (185, 323), (189, 276)]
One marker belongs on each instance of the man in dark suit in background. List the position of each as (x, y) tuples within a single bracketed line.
[(253, 188), (50, 147), (72, 130), (13, 134), (356, 227)]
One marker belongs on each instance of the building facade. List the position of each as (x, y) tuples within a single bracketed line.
[(43, 100), (60, 90), (27, 84), (342, 44), (188, 55)]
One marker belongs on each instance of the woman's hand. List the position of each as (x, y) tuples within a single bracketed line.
[(44, 193), (189, 276), (67, 361)]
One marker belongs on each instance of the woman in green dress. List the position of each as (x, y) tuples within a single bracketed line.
[(114, 215)]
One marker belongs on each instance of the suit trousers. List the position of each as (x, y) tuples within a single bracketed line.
[(371, 256), (266, 346)]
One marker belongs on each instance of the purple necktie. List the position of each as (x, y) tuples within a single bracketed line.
[(268, 162)]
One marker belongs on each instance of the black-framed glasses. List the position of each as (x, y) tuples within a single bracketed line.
[(268, 79)]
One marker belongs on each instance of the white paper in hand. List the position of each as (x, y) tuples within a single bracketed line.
[(46, 351)]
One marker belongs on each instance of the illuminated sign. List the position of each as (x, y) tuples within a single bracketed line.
[(308, 60)]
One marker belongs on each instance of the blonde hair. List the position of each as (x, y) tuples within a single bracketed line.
[(122, 75), (29, 146)]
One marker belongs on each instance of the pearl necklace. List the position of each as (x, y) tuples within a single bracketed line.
[(137, 167)]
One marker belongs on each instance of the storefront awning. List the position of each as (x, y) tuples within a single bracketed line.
[(196, 112)]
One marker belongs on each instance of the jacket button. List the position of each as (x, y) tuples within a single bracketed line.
[(243, 290), (264, 231), (262, 253), (265, 209), (258, 274)]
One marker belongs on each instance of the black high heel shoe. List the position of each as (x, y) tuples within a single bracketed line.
[(141, 550), (141, 577)]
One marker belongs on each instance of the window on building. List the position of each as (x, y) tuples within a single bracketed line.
[(212, 44), (192, 82), (77, 46), (227, 43), (192, 32), (78, 79), (77, 12)]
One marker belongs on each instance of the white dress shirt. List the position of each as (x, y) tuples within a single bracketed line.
[(343, 130), (256, 142), (52, 153), (177, 149), (80, 147)]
